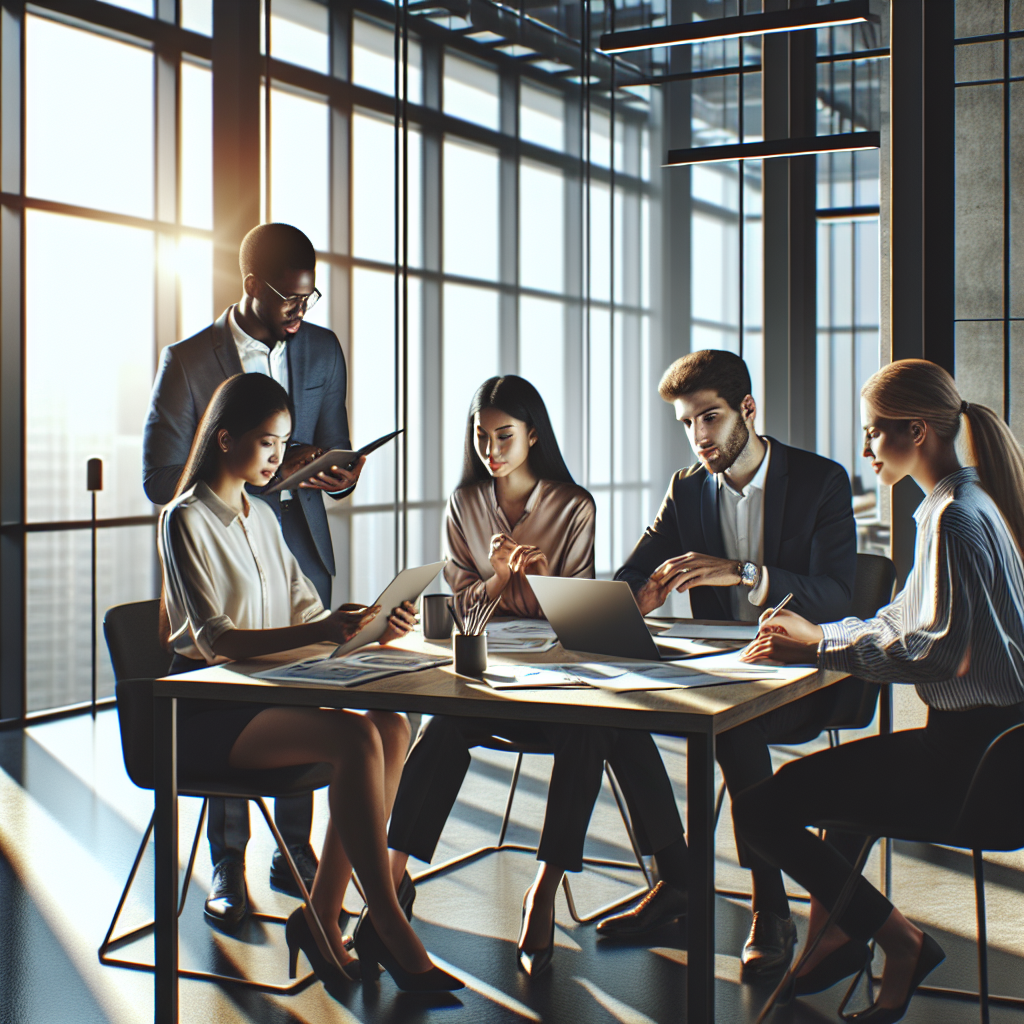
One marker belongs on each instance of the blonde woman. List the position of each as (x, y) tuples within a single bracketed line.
[(955, 631)]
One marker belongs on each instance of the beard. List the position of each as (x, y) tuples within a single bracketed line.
[(729, 450)]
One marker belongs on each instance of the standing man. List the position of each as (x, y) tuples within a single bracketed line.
[(264, 332), (751, 522)]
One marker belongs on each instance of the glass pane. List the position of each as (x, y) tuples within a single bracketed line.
[(372, 554), (371, 392), (470, 357), (196, 159), (299, 188), (541, 116), (299, 33), (373, 191), (58, 610), (542, 356), (470, 210), (373, 60), (90, 145), (87, 389), (139, 6), (197, 15), (541, 227), (195, 285), (471, 92)]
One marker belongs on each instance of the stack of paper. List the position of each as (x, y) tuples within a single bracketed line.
[(518, 636), (353, 669)]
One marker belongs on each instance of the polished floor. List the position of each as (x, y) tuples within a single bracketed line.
[(70, 822)]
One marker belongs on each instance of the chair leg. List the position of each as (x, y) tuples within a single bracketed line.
[(719, 800), (192, 856), (107, 940), (511, 796), (979, 896)]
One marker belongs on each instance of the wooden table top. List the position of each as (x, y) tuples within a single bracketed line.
[(439, 690)]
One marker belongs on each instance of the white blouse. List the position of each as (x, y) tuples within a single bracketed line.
[(224, 570)]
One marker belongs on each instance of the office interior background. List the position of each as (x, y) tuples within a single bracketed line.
[(487, 193)]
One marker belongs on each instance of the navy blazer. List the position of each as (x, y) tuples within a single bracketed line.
[(810, 538), (191, 370)]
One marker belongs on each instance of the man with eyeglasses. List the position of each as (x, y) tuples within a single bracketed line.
[(264, 332)]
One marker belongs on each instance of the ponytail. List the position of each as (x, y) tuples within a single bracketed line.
[(910, 389)]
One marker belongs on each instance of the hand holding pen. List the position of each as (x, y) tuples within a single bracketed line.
[(784, 636)]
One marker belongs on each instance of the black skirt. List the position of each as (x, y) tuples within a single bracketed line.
[(208, 729)]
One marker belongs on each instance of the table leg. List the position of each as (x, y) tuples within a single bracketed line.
[(165, 884), (700, 801)]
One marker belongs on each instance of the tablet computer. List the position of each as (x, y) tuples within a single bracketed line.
[(340, 457), (406, 586)]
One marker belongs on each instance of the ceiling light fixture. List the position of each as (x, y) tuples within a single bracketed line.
[(845, 143), (846, 12)]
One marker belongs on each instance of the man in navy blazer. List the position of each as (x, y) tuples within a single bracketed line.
[(264, 332), (752, 521)]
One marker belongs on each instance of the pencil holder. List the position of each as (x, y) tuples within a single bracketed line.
[(470, 654)]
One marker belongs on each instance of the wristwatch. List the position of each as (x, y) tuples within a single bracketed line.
[(750, 574)]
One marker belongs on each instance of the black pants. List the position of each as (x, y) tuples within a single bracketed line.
[(745, 759), (228, 824), (905, 784), (439, 759)]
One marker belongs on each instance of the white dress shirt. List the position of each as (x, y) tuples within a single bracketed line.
[(224, 570), (741, 518)]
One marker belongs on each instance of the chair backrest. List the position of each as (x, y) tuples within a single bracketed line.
[(135, 716), (132, 632), (856, 699), (992, 814), (873, 585)]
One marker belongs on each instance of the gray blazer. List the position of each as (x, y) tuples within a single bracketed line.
[(190, 372)]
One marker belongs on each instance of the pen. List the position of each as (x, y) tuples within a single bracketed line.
[(775, 611)]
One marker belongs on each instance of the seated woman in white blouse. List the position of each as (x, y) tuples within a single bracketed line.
[(233, 590)]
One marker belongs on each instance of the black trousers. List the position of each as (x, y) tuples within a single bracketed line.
[(906, 784), (439, 759), (745, 759)]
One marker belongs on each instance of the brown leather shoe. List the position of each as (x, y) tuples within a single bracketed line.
[(664, 903)]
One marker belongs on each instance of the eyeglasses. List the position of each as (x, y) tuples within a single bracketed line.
[(303, 302)]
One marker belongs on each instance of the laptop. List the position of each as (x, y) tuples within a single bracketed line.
[(600, 617), (406, 586)]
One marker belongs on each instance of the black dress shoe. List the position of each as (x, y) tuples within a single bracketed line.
[(770, 943), (849, 958), (228, 901), (281, 878), (662, 904), (928, 959)]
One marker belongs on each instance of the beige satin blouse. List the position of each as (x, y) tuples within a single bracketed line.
[(559, 519)]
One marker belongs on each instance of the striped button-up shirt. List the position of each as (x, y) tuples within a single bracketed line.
[(956, 630)]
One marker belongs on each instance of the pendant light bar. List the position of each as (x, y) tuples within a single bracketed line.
[(844, 143), (846, 12)]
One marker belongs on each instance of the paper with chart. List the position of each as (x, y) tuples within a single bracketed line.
[(353, 669), (518, 636), (728, 665)]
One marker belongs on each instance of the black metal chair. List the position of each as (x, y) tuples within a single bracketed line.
[(132, 635), (991, 817), (856, 699), (520, 749)]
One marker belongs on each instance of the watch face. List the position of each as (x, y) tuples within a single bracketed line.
[(749, 572)]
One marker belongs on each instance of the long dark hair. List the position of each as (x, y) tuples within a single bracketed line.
[(520, 400), (238, 405)]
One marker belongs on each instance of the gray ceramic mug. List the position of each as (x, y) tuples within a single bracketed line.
[(436, 616)]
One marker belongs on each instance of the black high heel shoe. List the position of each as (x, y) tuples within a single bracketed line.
[(540, 959), (299, 935), (928, 959), (406, 895), (373, 953), (849, 958)]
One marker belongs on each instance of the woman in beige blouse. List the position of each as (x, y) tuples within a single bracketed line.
[(232, 589), (517, 513)]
